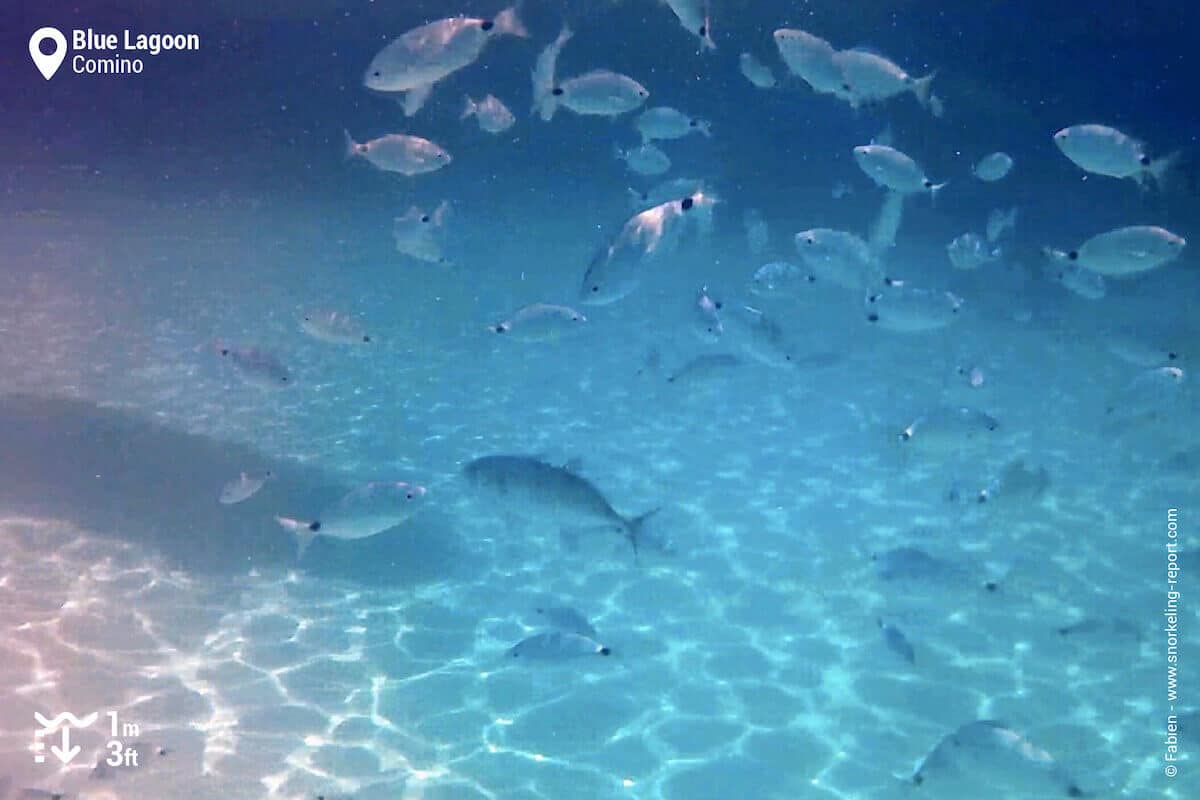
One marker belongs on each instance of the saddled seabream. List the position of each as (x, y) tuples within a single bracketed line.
[(894, 170), (907, 563), (993, 167), (671, 189), (706, 317), (704, 368), (369, 510), (760, 337), (242, 488), (969, 252), (812, 59), (1140, 352), (871, 77), (1073, 276), (948, 430), (1103, 150), (419, 234), (1154, 392), (664, 122), (421, 57), (645, 159), (756, 71), (544, 101), (490, 112), (1126, 251), (694, 17), (255, 366), (988, 756), (540, 322), (557, 646), (399, 152), (600, 92), (839, 258), (779, 279), (616, 269), (334, 327), (896, 306), (524, 484), (895, 640), (566, 619)]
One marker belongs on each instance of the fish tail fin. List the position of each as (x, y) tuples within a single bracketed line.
[(350, 146), (469, 108), (507, 21), (935, 189), (1158, 169), (633, 528), (922, 87), (304, 537)]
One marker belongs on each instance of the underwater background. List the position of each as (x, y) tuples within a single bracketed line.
[(816, 609)]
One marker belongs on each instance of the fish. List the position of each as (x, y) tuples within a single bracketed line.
[(1102, 150), (969, 252), (907, 309), (758, 235), (694, 17), (334, 327), (914, 564), (418, 234), (399, 152), (1106, 627), (539, 322), (421, 57), (528, 484), (616, 269), (812, 59), (1138, 352), (761, 337), (706, 317), (1149, 394), (839, 258), (870, 77), (986, 755), (895, 170), (242, 488), (545, 103), (645, 159), (779, 279), (664, 122), (704, 368), (1125, 251), (999, 221), (1074, 277), (490, 112), (568, 620), (256, 367), (366, 511), (1017, 483), (557, 646), (600, 92), (883, 232), (756, 72), (897, 642), (671, 189), (948, 429), (993, 167)]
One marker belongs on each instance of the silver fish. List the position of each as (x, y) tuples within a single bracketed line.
[(703, 368), (398, 152), (970, 252), (557, 646), (366, 511), (490, 112), (1126, 251), (907, 309), (242, 488), (665, 122), (645, 159), (544, 101), (257, 367), (600, 92), (894, 170), (872, 78), (993, 167), (334, 327), (1103, 150), (419, 234), (694, 17), (567, 619), (839, 258), (540, 322), (756, 72), (779, 279), (761, 337), (812, 59), (948, 429), (897, 642), (531, 485)]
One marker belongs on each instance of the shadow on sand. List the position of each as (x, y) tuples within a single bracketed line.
[(119, 474)]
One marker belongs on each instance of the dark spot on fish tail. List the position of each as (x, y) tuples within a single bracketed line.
[(605, 651), (904, 436), (703, 30), (847, 87), (425, 218), (377, 73), (499, 328), (918, 779), (717, 305), (557, 91), (162, 751), (693, 123), (1073, 255), (487, 25), (1145, 162), (1074, 791), (928, 183), (315, 525), (812, 278), (366, 338), (224, 351), (687, 203), (284, 379), (991, 586), (1172, 356), (595, 289), (872, 317)]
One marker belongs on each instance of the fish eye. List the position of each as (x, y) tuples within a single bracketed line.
[(499, 328), (1073, 255), (1172, 356), (595, 288), (377, 73), (408, 496), (488, 25), (604, 651), (224, 351), (284, 379)]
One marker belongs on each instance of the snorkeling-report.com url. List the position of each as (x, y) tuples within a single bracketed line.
[(1172, 614)]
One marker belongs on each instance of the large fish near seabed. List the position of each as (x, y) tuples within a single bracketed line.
[(528, 484)]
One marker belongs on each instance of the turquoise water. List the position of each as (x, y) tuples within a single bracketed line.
[(150, 221)]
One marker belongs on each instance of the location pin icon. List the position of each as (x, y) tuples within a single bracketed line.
[(47, 64)]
